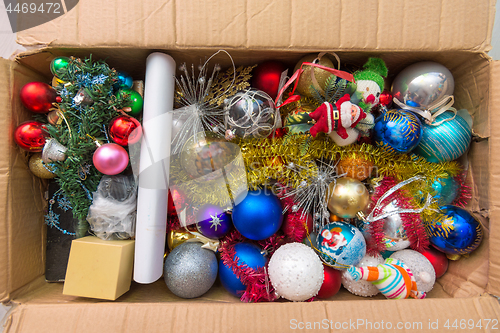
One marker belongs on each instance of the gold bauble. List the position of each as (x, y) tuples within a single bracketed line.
[(177, 237), (335, 218), (355, 167), (40, 169), (348, 196), (207, 153), (305, 80)]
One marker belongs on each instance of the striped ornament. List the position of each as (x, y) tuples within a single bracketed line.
[(445, 142), (393, 278)]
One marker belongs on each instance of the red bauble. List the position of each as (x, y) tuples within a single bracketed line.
[(278, 133), (38, 96), (125, 130), (266, 77), (30, 136), (176, 201), (438, 260), (331, 283), (385, 98), (293, 225)]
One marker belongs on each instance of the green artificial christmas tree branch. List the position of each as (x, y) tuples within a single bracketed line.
[(83, 126)]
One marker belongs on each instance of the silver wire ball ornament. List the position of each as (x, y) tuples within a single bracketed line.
[(250, 114), (190, 271)]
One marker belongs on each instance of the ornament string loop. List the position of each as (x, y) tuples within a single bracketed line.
[(296, 76), (432, 111), (371, 218)]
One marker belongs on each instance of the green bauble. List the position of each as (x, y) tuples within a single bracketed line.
[(58, 63), (136, 101)]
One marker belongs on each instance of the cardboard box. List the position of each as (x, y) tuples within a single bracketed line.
[(454, 33)]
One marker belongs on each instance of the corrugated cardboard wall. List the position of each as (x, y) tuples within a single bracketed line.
[(22, 243), (279, 24)]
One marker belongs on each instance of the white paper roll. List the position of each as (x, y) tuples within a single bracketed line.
[(154, 168)]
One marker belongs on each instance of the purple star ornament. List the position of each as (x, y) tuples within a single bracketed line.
[(213, 221)]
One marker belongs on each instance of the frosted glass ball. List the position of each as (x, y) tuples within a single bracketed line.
[(420, 266), (296, 272), (362, 288)]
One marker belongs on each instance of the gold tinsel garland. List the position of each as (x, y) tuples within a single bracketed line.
[(269, 158)]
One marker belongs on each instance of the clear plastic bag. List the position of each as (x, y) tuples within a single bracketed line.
[(112, 214)]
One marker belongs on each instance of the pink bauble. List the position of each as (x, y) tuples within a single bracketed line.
[(110, 159)]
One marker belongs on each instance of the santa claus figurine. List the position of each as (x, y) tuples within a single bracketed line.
[(330, 118)]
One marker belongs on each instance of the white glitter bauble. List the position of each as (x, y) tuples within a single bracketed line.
[(420, 266), (296, 272), (362, 288)]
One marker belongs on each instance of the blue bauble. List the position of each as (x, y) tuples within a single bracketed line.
[(125, 81), (397, 131), (248, 254), (445, 190), (341, 245), (258, 216), (213, 221), (445, 142), (459, 233)]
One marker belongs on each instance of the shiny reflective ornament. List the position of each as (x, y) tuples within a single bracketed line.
[(305, 80), (213, 221), (136, 102), (445, 190), (58, 64), (266, 77), (420, 266), (341, 245), (258, 216), (38, 97), (110, 159), (177, 200), (190, 271), (459, 233), (423, 84), (438, 260), (355, 167), (296, 272), (177, 237), (247, 254), (205, 154), (53, 151), (125, 130), (125, 81), (30, 136), (362, 288), (395, 238), (331, 282), (40, 169), (397, 131), (445, 142), (348, 196), (250, 114)]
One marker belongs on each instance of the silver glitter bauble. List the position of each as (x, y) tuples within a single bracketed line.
[(250, 114), (420, 266), (423, 84), (190, 271)]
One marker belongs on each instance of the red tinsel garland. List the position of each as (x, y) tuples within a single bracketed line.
[(412, 222), (258, 286)]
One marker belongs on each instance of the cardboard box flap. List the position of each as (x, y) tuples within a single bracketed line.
[(383, 315), (21, 202), (277, 25), (494, 179)]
